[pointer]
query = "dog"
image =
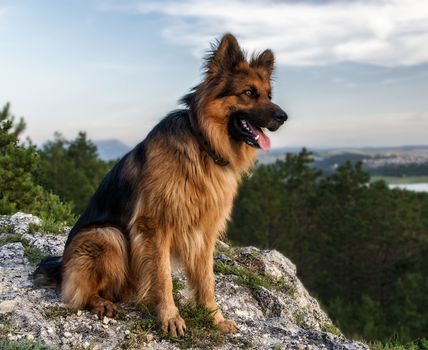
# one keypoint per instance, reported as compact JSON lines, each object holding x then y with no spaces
{"x":171,"y":197}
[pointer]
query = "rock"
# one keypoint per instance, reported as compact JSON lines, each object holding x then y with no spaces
{"x":7,"y":306}
{"x":19,"y":222}
{"x":259,"y":289}
{"x":51,"y":244}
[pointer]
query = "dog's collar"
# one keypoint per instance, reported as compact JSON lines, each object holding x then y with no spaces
{"x":218,"y":159}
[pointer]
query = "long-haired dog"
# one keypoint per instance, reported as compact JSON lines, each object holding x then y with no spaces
{"x":171,"y":196}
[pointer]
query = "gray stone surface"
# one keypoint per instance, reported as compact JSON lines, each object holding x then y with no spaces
{"x":284,"y":317}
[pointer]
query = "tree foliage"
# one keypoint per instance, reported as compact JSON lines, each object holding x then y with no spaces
{"x":71,"y":169}
{"x":360,"y":247}
{"x":18,"y":164}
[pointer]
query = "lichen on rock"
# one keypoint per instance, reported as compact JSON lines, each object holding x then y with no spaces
{"x":259,"y":289}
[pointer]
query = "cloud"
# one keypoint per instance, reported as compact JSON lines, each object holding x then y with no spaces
{"x":382,"y":32}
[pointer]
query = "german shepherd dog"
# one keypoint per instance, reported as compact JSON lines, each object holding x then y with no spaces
{"x":171,"y":197}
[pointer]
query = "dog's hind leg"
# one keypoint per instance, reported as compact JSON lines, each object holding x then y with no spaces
{"x":95,"y":270}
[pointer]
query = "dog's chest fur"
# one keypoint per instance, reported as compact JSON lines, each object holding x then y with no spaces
{"x":192,"y":194}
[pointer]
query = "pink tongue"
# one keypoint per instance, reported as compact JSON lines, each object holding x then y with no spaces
{"x":263,"y":141}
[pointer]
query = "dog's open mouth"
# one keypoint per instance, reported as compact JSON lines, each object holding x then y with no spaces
{"x":254,"y":136}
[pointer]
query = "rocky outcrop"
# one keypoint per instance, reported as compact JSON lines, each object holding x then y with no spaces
{"x":259,"y":289}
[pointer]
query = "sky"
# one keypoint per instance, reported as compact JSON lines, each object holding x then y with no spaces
{"x":348,"y":73}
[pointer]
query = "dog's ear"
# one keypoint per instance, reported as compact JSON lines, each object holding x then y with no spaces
{"x":265,"y":60}
{"x":225,"y":55}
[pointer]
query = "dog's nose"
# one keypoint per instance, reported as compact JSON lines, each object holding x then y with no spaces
{"x":280,"y":115}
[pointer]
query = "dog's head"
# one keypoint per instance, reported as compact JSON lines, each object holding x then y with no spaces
{"x":236,"y":98}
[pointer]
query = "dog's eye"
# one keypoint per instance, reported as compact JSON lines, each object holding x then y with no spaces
{"x":250,"y":93}
{"x":270,"y":96}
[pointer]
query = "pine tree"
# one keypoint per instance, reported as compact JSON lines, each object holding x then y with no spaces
{"x":18,"y":164}
{"x":72,"y":169}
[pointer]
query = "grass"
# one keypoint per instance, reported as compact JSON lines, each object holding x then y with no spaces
{"x":421,"y":344}
{"x":299,"y":318}
{"x":6,"y":344}
{"x":177,"y":285}
{"x":225,"y":250}
{"x":53,"y":312}
{"x":5,"y":326}
{"x":253,"y":280}
{"x":138,"y":330}
{"x":47,"y":225}
{"x":33,"y":254}
{"x":331,"y":328}
{"x":22,"y":345}
{"x":10,"y":238}
{"x":4,"y":228}
{"x":395,"y":180}
{"x":200,"y":333}
{"x":248,"y":276}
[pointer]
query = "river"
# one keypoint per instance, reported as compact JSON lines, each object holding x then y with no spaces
{"x":421,"y":187}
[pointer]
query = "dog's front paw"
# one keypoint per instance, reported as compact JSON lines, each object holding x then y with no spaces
{"x":227,"y":326}
{"x":175,"y":326}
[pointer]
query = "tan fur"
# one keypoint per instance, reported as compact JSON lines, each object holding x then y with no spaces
{"x":95,"y":267}
{"x":183,"y":205}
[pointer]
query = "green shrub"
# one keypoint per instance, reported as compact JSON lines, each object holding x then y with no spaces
{"x":19,"y":190}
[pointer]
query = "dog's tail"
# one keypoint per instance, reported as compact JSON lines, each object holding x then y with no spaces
{"x":48,"y":273}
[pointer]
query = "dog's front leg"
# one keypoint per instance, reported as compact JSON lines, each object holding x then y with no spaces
{"x":151,"y":257}
{"x":200,"y":275}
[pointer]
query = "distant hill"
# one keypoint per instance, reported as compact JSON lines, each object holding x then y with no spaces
{"x":381,"y":161}
{"x":111,"y":149}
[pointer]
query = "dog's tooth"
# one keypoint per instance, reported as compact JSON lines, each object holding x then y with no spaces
{"x":257,"y":137}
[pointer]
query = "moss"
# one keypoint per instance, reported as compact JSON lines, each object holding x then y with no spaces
{"x":277,"y":346}
{"x":284,"y":287}
{"x":22,"y":345}
{"x":7,"y":344}
{"x":392,"y":345}
{"x":47,"y":225}
{"x":251,"y":279}
{"x":241,"y":343}
{"x":331,"y":328}
{"x":122,"y":315}
{"x":138,"y":331}
{"x":177,"y":285}
{"x":33,"y":228}
{"x":397,"y":344}
{"x":254,"y":255}
{"x":33,"y":254}
{"x":10,"y":238}
{"x":226,"y":250}
{"x":53,"y":312}
{"x":299,"y":318}
{"x":4,"y":228}
{"x":5,"y":326}
{"x":138,"y":328}
{"x":200,"y":333}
